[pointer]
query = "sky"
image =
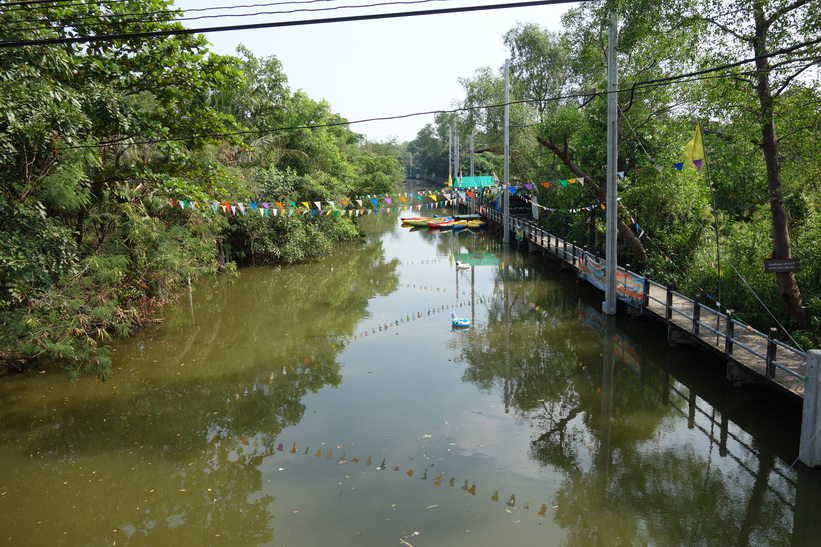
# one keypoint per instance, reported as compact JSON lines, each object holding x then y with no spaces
{"x":380,"y":68}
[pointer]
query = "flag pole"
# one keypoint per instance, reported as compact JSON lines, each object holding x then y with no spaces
{"x":715,"y":222}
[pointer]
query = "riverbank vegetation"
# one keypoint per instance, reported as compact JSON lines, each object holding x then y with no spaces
{"x":97,"y":137}
{"x":746,"y":73}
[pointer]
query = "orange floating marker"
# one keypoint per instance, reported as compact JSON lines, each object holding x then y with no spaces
{"x":369,"y":462}
{"x":330,"y":454}
{"x":355,"y":460}
{"x":543,"y":510}
{"x":410,"y":472}
{"x":472,"y":490}
{"x":293,"y":449}
{"x":318,"y":453}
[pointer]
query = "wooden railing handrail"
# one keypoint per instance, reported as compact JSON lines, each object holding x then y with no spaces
{"x":697,"y":314}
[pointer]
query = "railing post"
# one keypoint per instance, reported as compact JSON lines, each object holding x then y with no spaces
{"x":564,"y":250}
{"x":668,"y":305}
{"x":646,"y":296}
{"x":772,"y":349}
{"x":728,"y":340}
{"x":575,"y":252}
{"x":809,"y":450}
{"x":696,"y":313}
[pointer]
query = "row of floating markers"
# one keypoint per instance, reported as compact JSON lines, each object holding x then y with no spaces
{"x":420,"y":314}
{"x":382,"y":327}
{"x":437,"y":480}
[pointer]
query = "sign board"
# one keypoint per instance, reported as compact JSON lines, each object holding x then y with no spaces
{"x":776,"y":265}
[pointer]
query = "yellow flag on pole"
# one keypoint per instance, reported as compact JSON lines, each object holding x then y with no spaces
{"x":694,"y":150}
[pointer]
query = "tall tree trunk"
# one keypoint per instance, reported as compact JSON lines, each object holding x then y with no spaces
{"x":601,"y":193}
{"x":787,"y":285}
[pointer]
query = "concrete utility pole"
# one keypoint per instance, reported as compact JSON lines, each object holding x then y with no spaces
{"x":471,"y":153}
{"x":450,"y":152}
{"x":609,"y":306}
{"x":809,"y":450}
{"x":506,"y":181}
{"x":457,"y":161}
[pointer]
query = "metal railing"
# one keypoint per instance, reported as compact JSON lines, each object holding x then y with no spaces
{"x":762,"y":352}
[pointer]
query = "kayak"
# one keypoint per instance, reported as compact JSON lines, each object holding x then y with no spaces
{"x":417,"y":221}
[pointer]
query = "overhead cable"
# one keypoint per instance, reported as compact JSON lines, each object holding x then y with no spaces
{"x":277,"y":24}
{"x":115,"y":18}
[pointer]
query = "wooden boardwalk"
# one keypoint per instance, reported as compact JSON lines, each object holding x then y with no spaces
{"x":752,"y":356}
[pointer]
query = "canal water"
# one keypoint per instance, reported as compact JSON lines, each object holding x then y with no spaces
{"x":332,"y":403}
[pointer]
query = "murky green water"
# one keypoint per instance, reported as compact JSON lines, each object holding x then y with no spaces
{"x":332,"y":404}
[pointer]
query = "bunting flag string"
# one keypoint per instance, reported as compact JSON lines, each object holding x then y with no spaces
{"x":269,"y":448}
{"x":572,"y":211}
{"x":377,"y":202}
{"x":265,"y":209}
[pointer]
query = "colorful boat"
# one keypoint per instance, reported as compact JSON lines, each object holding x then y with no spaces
{"x":476,"y":224}
{"x":418,"y":221}
{"x":442,"y":224}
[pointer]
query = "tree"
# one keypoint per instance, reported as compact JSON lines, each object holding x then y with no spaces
{"x":91,"y":136}
{"x":781,"y":36}
{"x":430,"y":154}
{"x":538,"y":64}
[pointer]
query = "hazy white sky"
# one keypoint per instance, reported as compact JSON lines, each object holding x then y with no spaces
{"x":378,"y":68}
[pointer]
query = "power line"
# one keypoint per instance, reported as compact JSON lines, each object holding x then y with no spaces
{"x":32,"y":5}
{"x":115,"y":17}
{"x":284,"y":129}
{"x":656,"y":82}
{"x":697,"y":75}
{"x":280,"y":24}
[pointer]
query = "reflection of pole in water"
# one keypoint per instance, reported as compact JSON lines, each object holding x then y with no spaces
{"x":190,"y":298}
{"x":608,"y":353}
{"x":506,"y":282}
{"x":473,"y":295}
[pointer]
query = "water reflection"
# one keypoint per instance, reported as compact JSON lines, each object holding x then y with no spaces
{"x":611,"y":420}
{"x":332,"y":403}
{"x":196,"y":404}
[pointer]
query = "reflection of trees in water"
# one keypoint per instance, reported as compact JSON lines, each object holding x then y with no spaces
{"x":200,"y":436}
{"x":619,"y":488}
{"x":670,"y":497}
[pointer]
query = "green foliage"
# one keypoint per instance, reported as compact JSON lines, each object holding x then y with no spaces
{"x":377,"y":174}
{"x":94,"y":141}
{"x":430,"y":153}
{"x":286,"y":238}
{"x":747,"y":180}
